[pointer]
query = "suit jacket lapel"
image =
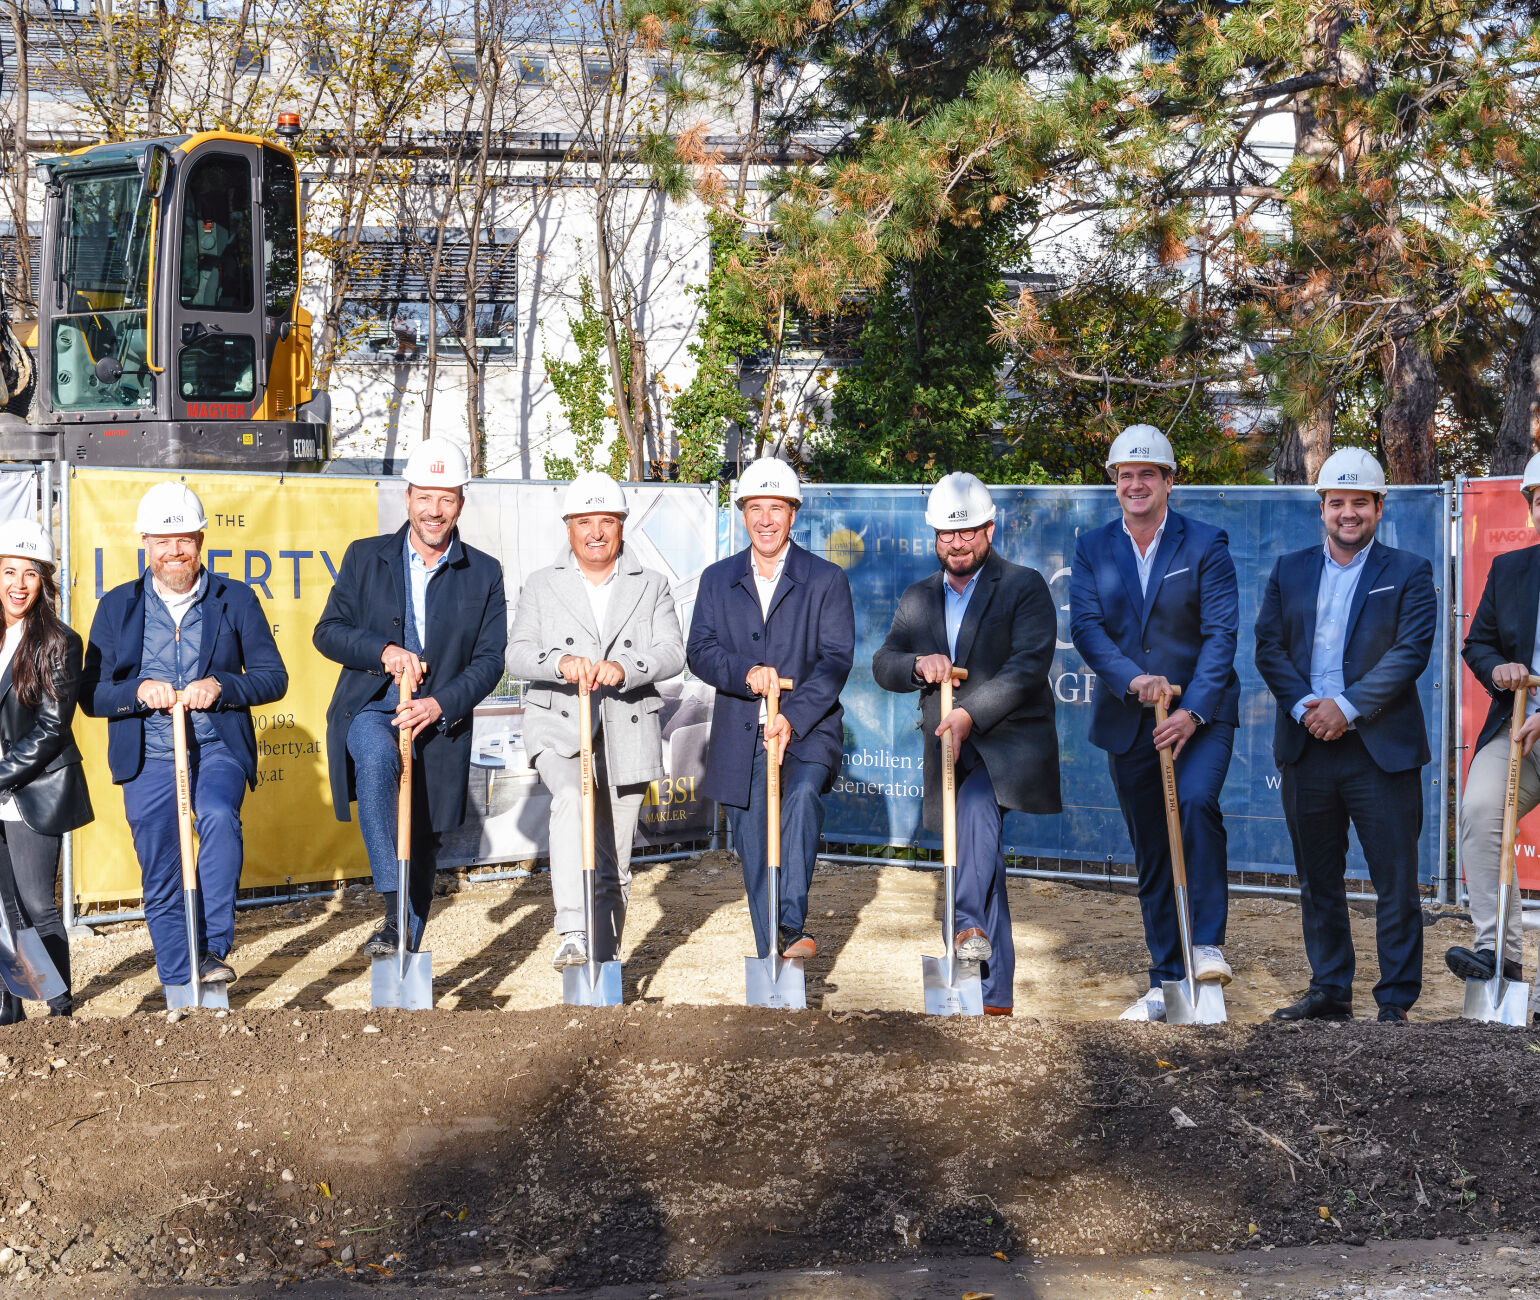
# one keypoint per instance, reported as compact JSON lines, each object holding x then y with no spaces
{"x":213,"y":611}
{"x":1529,"y":608}
{"x":983,"y":593}
{"x":624,"y":598}
{"x":1310,"y":592}
{"x":793,"y":574}
{"x":1170,"y":544}
{"x":746,"y":581}
{"x":1123,"y":557}
{"x":937,"y":624}
{"x":131,"y":634}
{"x":1374,"y":566}
{"x":575,"y":586}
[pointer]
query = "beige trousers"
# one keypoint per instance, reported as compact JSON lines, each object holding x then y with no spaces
{"x":1481,"y":838}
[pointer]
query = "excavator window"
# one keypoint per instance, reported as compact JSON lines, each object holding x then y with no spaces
{"x":217,"y":266}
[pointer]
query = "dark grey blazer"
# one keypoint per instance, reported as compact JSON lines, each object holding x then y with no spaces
{"x":1006,"y":643}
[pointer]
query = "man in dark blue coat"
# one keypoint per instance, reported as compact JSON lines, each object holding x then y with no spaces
{"x":771,"y":611}
{"x":1344,"y":632}
{"x":417,"y":604}
{"x":1153,"y":605}
{"x":180,"y":628}
{"x":995,"y":619}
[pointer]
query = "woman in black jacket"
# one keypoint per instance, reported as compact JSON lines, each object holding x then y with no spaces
{"x":42,"y":786}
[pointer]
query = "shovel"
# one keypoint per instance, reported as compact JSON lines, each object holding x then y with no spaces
{"x":1187,"y":1001}
{"x":403,"y":980}
{"x":950,"y":989}
{"x":195,"y":993}
{"x":774,"y":981}
{"x":1501,"y":1001}
{"x":594,"y":983}
{"x":25,"y":966}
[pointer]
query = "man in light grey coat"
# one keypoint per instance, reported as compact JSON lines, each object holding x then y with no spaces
{"x":597,"y":618}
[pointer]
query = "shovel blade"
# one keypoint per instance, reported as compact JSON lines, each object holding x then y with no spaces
{"x":962,"y":996}
{"x":1506,"y":1006}
{"x":1209,"y":1009}
{"x":26,"y":968}
{"x":603,"y":990}
{"x":775,"y":982}
{"x":389,"y":988}
{"x":181,"y":997}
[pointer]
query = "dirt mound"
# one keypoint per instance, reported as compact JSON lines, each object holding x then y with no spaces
{"x":568,"y":1147}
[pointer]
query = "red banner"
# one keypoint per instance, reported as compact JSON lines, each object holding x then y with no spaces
{"x":1494,"y":518}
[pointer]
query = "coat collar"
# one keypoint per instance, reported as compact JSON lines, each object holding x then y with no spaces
{"x":625,"y":597}
{"x":795,"y":573}
{"x":978,"y":605}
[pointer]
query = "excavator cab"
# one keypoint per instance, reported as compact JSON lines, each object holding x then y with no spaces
{"x":169,"y":326}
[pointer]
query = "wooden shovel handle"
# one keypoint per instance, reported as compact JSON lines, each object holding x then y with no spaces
{"x":1173,"y":809}
{"x":1509,"y":867}
{"x":773,"y":781}
{"x":586,"y":772}
{"x":404,"y":790}
{"x":183,"y":777}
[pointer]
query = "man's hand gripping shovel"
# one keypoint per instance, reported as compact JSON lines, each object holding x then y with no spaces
{"x":196,"y":992}
{"x":595,"y":983}
{"x":1188,"y":1002}
{"x":1498,"y":1000}
{"x":952,"y":988}
{"x":774,"y":981}
{"x":404,"y":979}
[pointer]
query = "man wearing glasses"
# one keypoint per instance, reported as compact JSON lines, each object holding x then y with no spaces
{"x":995,"y":619}
{"x":1153,"y":605}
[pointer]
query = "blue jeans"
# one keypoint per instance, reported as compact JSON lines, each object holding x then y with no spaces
{"x":801,"y":829}
{"x":981,"y":896}
{"x":149,"y":802}
{"x":1334,"y":783}
{"x":372,"y":745}
{"x":1200,"y":775}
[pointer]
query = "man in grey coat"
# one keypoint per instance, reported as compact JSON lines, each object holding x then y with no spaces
{"x":594,"y":618}
{"x":995,"y":619}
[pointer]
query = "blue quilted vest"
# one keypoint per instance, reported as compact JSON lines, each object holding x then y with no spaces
{"x":170,"y":655}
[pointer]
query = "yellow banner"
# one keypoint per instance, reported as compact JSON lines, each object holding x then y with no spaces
{"x":285,"y":538}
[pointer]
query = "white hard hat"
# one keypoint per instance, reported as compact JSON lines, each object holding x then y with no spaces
{"x":168,"y":509}
{"x":1140,"y":444}
{"x":959,"y":501}
{"x":592,"y":493}
{"x":1531,"y":474}
{"x":1351,"y":469}
{"x":438,"y":463}
{"x":27,"y":540}
{"x":767,"y":477}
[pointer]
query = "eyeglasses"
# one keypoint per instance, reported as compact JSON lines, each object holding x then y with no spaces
{"x":958,"y":534}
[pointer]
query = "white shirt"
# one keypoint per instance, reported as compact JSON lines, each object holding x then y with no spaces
{"x":1145,"y":561}
{"x":1534,"y":667}
{"x":766,"y":589}
{"x":417,"y":573}
{"x":599,"y":599}
{"x":178,"y":603}
{"x":1334,"y":600}
{"x":9,"y":812}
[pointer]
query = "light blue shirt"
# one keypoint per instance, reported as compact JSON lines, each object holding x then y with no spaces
{"x":1145,"y":561}
{"x":1332,"y":604}
{"x":957,"y":609}
{"x":418,"y":573}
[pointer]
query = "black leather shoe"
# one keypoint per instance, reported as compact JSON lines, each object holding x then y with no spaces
{"x":216,"y":970}
{"x":1479,"y":964}
{"x":1316,"y":1005}
{"x":796,"y":943}
{"x":1393,"y":1015}
{"x":382,"y":943}
{"x":12,"y":1009}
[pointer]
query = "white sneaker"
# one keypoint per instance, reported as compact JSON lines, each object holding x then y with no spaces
{"x":571,"y":951}
{"x":1209,"y":964}
{"x":1152,"y":1006}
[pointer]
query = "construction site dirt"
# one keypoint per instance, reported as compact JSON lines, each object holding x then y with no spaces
{"x":506,"y":1144}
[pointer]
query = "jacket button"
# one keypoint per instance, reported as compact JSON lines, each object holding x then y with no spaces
{"x":1146,"y":649}
{"x":395,"y":622}
{"x":569,"y":640}
{"x":747,"y":726}
{"x":641,"y":665}
{"x":633,"y":717}
{"x":756,"y":636}
{"x":627,"y":644}
{"x":348,"y":714}
{"x":564,"y":713}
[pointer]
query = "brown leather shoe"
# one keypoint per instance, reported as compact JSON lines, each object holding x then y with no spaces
{"x":798,"y":945}
{"x":999,"y":1011}
{"x":972,"y":945}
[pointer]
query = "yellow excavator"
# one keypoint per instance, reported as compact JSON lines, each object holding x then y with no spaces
{"x":169,"y":331}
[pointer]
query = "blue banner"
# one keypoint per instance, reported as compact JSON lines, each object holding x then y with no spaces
{"x":879,"y":537}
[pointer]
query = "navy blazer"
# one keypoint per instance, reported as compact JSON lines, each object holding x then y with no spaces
{"x":810,"y":637}
{"x":467,"y":626}
{"x":1503,"y":629}
{"x":1184,"y":631}
{"x":1391,"y":624}
{"x":237,"y":650}
{"x":1006,"y":643}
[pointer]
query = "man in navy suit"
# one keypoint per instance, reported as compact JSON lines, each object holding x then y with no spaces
{"x":417,"y":605}
{"x":996,"y":620}
{"x":1344,"y":632}
{"x":1502,"y":650}
{"x":1153,"y":605}
{"x":771,"y":611}
{"x":181,"y":629}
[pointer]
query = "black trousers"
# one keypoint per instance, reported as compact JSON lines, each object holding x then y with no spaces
{"x":32,"y":862}
{"x":1333,"y":784}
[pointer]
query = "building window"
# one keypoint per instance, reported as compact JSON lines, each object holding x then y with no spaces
{"x":65,"y":6}
{"x":598,"y":72}
{"x":320,"y":61}
{"x":462,"y":67}
{"x":532,"y":71}
{"x":388,"y":313}
{"x":249,"y":58}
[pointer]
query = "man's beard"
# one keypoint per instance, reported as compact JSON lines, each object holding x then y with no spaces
{"x":171,"y":584}
{"x":974,"y":565}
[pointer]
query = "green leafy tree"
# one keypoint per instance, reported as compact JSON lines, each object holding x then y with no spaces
{"x":583,"y":389}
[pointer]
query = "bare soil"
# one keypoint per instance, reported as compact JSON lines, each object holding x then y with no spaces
{"x":515,"y":1146}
